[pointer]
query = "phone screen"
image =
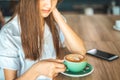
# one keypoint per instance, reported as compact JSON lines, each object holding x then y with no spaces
{"x":102,"y":54}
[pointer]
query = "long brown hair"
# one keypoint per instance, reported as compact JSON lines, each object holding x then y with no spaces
{"x":32,"y":29}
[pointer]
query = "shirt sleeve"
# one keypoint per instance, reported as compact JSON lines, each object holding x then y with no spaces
{"x":9,"y":58}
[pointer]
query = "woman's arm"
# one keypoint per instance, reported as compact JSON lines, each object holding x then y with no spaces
{"x":49,"y":68}
{"x":72,"y":41}
{"x":12,"y":74}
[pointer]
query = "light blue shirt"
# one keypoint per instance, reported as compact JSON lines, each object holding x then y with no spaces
{"x":11,"y":53}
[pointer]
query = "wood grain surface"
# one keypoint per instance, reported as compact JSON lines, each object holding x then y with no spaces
{"x":97,"y":32}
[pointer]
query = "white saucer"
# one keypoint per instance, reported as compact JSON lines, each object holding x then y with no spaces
{"x":116,"y":28}
{"x":88,"y":70}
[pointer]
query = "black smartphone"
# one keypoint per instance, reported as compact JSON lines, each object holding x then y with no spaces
{"x":102,"y":54}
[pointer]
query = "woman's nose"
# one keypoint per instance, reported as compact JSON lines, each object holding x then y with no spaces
{"x":48,"y":3}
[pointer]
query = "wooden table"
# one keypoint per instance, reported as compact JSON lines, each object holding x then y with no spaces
{"x":97,"y":32}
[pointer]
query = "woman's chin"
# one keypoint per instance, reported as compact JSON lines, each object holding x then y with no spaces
{"x":45,"y":15}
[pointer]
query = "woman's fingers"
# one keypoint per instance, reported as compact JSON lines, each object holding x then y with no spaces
{"x":59,"y":65}
{"x":51,"y":67}
{"x":58,"y":70}
{"x":56,"y":60}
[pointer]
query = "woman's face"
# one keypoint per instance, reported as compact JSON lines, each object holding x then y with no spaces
{"x":47,"y":6}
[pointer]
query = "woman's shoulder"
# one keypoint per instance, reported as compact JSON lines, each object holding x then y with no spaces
{"x":10,"y":36}
{"x":12,"y":27}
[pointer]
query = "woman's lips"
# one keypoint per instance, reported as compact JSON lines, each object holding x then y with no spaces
{"x":46,"y":11}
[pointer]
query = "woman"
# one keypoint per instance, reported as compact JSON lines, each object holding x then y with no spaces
{"x":30,"y":41}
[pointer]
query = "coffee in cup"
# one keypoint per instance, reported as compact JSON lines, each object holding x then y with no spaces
{"x":75,"y":62}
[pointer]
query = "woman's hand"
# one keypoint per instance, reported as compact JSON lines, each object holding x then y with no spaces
{"x":57,"y":16}
{"x":50,"y":67}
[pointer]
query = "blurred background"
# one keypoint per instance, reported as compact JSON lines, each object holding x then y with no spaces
{"x":91,"y":6}
{"x":88,"y":7}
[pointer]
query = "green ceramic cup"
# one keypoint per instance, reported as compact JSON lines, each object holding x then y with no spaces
{"x":75,"y":65}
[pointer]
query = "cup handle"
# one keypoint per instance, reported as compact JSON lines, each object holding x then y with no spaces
{"x":66,"y":66}
{"x":65,"y":62}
